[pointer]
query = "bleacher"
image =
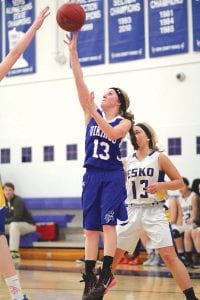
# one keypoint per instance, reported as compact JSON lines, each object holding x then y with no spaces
{"x":57,"y":210}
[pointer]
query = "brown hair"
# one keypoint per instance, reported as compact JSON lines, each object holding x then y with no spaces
{"x":9,"y":185}
{"x":125,"y":102}
{"x":150,"y":133}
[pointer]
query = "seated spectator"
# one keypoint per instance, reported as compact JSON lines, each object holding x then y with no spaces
{"x":195,"y":234}
{"x":188,"y":202}
{"x":19,"y":220}
{"x":196,"y":186}
{"x":176,"y":222}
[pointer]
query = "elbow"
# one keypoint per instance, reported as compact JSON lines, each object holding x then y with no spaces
{"x":112,"y":137}
{"x":180,"y":183}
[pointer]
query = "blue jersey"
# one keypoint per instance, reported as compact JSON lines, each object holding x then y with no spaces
{"x":100,"y":151}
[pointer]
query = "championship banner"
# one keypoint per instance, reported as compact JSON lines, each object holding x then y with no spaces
{"x":168,"y":27}
{"x":91,"y":47}
{"x":19,"y":16}
{"x":196,"y":24}
{"x":126,"y":30}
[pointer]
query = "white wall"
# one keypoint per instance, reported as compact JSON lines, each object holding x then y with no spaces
{"x":42,"y":109}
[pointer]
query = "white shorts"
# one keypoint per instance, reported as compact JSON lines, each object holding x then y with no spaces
{"x":152,"y":220}
{"x":182,"y":228}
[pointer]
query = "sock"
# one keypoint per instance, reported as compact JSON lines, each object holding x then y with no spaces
{"x":89,"y":266}
{"x":107,"y":262}
{"x":14,"y":287}
{"x":189,"y":294}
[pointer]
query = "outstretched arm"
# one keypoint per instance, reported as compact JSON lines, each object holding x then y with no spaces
{"x":82,"y":89}
{"x":22,"y":44}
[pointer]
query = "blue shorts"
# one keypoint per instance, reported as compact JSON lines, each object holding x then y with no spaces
{"x":2,"y":220}
{"x":103,"y":196}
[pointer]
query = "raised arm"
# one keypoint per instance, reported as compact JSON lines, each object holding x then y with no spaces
{"x":82,"y":89}
{"x":22,"y":44}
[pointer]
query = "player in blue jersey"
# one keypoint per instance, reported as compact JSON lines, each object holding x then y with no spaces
{"x":7,"y":267}
{"x":104,"y":188}
{"x":146,"y":189}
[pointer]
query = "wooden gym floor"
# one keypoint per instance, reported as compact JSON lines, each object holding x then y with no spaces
{"x":59,"y":279}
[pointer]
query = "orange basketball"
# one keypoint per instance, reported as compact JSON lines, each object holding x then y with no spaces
{"x":70,"y":16}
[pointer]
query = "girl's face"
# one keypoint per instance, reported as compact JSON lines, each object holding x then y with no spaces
{"x":141,"y":136}
{"x":110,"y":99}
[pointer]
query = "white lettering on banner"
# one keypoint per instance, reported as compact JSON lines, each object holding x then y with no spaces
{"x":124,"y":24}
{"x":24,"y":21}
{"x":122,"y":7}
{"x":91,"y":58}
{"x":167,"y":21}
{"x":21,"y":71}
{"x":18,"y":2}
{"x":164,"y":3}
{"x":120,"y":10}
{"x":19,"y":14}
{"x":127,"y":53}
{"x":87,"y":27}
{"x":123,"y":2}
{"x":81,"y":2}
{"x":17,"y":9}
{"x":168,"y":48}
{"x":92,"y":10}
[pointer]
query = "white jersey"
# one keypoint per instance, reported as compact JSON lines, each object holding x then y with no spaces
{"x":186,"y":206}
{"x":141,"y":174}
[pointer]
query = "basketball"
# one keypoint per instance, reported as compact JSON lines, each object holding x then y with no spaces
{"x":70,"y":16}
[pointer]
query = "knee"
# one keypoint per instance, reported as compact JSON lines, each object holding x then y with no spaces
{"x":169,"y":256}
{"x":108,"y":228}
{"x":194,"y":234}
{"x":176,"y":234}
{"x":91,"y":233}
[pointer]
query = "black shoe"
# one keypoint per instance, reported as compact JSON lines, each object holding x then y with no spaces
{"x":181,"y":257}
{"x":105,"y":282}
{"x":191,"y":264}
{"x":90,"y":282}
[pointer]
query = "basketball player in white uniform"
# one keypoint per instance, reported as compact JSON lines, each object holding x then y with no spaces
{"x":146,"y":195}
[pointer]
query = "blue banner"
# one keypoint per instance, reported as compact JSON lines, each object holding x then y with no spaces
{"x":91,"y":47}
{"x":196,"y":24}
{"x":168,"y":33}
{"x":126,"y":30}
{"x":19,"y":17}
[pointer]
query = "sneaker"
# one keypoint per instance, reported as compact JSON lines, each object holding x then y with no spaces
{"x":90,"y":282}
{"x":24,"y":297}
{"x":155,"y":261}
{"x":124,"y":261}
{"x":191,"y":264}
{"x":161,"y":262}
{"x":80,"y":260}
{"x":149,"y":260}
{"x":15,"y":255}
{"x":135,"y":261}
{"x":181,"y":256}
{"x":105,"y":282}
{"x":99,"y":261}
